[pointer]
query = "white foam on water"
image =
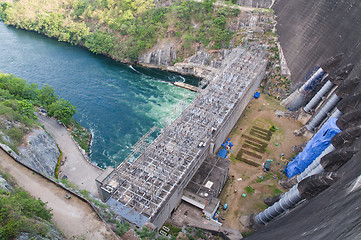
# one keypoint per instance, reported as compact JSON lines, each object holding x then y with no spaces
{"x":131,"y":67}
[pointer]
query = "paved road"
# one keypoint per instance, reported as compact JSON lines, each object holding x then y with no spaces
{"x":76,"y":168}
{"x":75,"y":218}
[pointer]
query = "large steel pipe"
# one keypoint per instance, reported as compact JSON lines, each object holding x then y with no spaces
{"x":291,"y":198}
{"x":298,"y":97}
{"x":318,"y":97}
{"x":320,"y":116}
{"x":306,"y":189}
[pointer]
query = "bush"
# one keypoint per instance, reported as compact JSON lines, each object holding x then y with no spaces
{"x":249,"y":190}
{"x":17,"y":214}
{"x":62,"y":110}
{"x":122,"y":228}
{"x":16,"y":134}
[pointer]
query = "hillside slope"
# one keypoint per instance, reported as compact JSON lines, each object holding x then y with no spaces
{"x":124,"y":29}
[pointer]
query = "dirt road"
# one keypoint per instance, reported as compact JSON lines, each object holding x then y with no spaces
{"x":76,"y":168}
{"x":75,"y":218}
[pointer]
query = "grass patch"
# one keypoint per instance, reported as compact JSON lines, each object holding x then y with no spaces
{"x":80,"y":134}
{"x":122,"y":228}
{"x":69,"y":184}
{"x":10,"y":179}
{"x":85,"y":194}
{"x":276,"y":191}
{"x":247,"y":233}
{"x":265,"y":177}
{"x":200,"y":233}
{"x":58,"y":164}
{"x":249,"y":189}
{"x":233,"y":159}
{"x":146,"y":233}
{"x":273,"y":128}
{"x":20,"y":212}
{"x":236,"y":213}
{"x":173,"y":230}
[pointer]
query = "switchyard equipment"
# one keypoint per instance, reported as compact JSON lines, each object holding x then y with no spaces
{"x":149,"y":188}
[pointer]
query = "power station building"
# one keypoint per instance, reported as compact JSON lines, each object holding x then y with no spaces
{"x":149,"y":188}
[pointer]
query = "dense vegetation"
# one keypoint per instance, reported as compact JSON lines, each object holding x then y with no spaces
{"x":124,"y":29}
{"x":17,"y":105}
{"x":19,"y":212}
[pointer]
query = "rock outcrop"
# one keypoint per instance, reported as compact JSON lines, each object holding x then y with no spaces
{"x":4,"y":185}
{"x":162,"y":54}
{"x":205,"y":63}
{"x":39,"y":152}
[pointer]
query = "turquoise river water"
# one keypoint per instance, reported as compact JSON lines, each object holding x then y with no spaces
{"x":118,"y":103}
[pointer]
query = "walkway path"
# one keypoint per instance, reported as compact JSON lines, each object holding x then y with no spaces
{"x":76,"y":168}
{"x":241,"y":8}
{"x":75,"y":218}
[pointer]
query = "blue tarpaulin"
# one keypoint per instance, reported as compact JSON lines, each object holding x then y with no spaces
{"x":320,"y":141}
{"x":257,"y":94}
{"x":222,"y":153}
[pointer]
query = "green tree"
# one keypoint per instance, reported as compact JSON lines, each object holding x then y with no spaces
{"x":3,"y":7}
{"x":26,"y":109}
{"x":11,"y":103}
{"x":62,"y":110}
{"x":47,"y":96}
{"x":208,"y":4}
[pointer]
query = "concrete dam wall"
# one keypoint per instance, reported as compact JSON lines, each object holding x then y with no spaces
{"x":312,"y":31}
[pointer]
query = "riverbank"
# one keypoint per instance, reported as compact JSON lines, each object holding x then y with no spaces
{"x":81,"y":136}
{"x":74,"y":166}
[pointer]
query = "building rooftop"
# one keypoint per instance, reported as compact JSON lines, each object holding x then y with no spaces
{"x":147,"y":183}
{"x":210,"y":177}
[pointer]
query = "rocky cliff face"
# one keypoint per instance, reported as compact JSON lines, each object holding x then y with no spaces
{"x":202,"y":64}
{"x":39,"y":152}
{"x":162,"y":54}
{"x":205,"y":62}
